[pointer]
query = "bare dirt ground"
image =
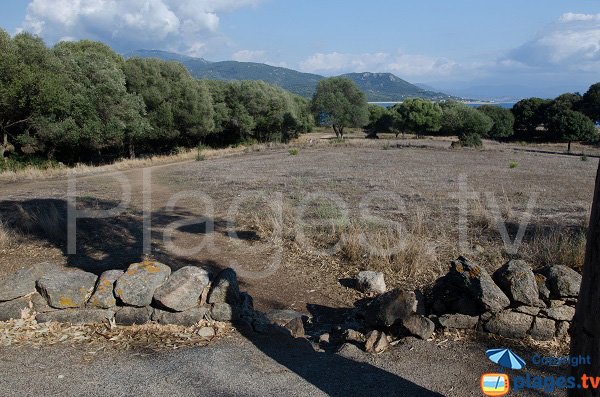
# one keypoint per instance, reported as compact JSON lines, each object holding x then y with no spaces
{"x":295,"y":226}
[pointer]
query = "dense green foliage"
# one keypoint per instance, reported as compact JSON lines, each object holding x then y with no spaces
{"x":569,"y":126}
{"x":80,"y":101}
{"x":339,"y":103}
{"x":464,"y":121}
{"x":381,"y":119}
{"x":529,"y":115}
{"x":502,"y":119}
{"x":590,"y":103}
{"x":418,"y":116}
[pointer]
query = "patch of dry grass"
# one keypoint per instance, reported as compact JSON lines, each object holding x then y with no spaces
{"x":557,"y":247}
{"x":7,"y":237}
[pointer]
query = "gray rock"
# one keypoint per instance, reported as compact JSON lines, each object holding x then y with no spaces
{"x":136,"y":287}
{"x":479,"y":284}
{"x":40,"y":305}
{"x":206,"y":332}
{"x":556,"y":303}
{"x":541,"y":282}
{"x":532,"y":311}
{"x":376,"y":342}
{"x":183,"y":289}
{"x":391,"y":307}
{"x":350,"y":350}
{"x":543,"y":329}
{"x":371,"y":282}
{"x":222,"y":312}
{"x":104,"y":295}
{"x":560,"y":313}
{"x":225,"y":289}
{"x":12,"y":309}
{"x":67,"y":289}
{"x":290,"y":320}
{"x":130,"y":315}
{"x":509,"y":324}
{"x":458,"y":321}
{"x":562,"y":329}
{"x":22,"y":282}
{"x":562,"y":281}
{"x":419,"y":326}
{"x":76,"y":316}
{"x":517,"y":280}
{"x":353,"y":336}
{"x":186,"y":318}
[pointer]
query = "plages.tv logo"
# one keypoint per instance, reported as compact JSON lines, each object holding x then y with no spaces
{"x":498,"y":384}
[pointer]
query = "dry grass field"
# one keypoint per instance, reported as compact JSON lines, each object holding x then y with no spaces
{"x":296,"y":220}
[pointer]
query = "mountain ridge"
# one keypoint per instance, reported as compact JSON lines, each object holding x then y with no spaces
{"x":378,"y":87}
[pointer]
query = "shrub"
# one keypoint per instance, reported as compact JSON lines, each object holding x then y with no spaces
{"x":470,"y":140}
{"x":513,"y":164}
{"x":293,"y":151}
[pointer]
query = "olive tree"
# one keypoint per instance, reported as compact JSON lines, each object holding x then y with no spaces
{"x":338,"y":102}
{"x":418,"y":116}
{"x":571,"y":126}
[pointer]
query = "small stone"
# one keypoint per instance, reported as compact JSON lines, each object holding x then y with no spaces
{"x":290,"y":320}
{"x":183,"y":289}
{"x":542,"y":286}
{"x":206,"y":332}
{"x":67,"y":289}
{"x":371,"y":282}
{"x":185,"y":318}
{"x":22,"y":282}
{"x":517,"y":280}
{"x":393,"y":306}
{"x":225,"y":289}
{"x":562,"y":329}
{"x":478,"y":283}
{"x":376,"y":342}
{"x":543,"y":329}
{"x":324,"y":338}
{"x":560,"y":313}
{"x":532,"y":311}
{"x":137,"y":285}
{"x":222,"y":312}
{"x":353,"y":336}
{"x":556,"y":303}
{"x":509,"y":324}
{"x":104,"y":295}
{"x":419,"y":326}
{"x":130,"y":315}
{"x":458,"y":321}
{"x":349,"y":350}
{"x":76,"y":316}
{"x":12,"y":309}
{"x":562,"y":281}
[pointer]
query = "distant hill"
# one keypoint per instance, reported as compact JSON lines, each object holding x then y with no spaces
{"x":378,"y":87}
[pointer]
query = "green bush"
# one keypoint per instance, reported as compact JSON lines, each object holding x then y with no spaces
{"x":513,"y":164}
{"x":294,"y":151}
{"x":470,"y":140}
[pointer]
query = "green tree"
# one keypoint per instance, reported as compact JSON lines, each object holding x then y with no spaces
{"x":467,"y":123}
{"x":529,"y":115}
{"x":503,"y":121}
{"x":590,"y":103}
{"x":418,"y":116}
{"x":339,"y":103}
{"x":571,"y":126}
{"x":380,"y":120}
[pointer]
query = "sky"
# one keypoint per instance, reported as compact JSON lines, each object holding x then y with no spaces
{"x":465,"y":47}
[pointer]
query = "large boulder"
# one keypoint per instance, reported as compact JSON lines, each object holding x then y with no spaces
{"x":76,"y":316}
{"x":22,"y":282}
{"x":183,"y":289}
{"x":543,"y":329}
{"x":458,"y":321}
{"x":476,"y":281}
{"x":130,"y":315}
{"x":371,"y":282}
{"x":221,"y":311}
{"x":517,"y":280}
{"x":562,"y":281}
{"x":67,"y":289}
{"x":418,"y":326}
{"x":104,"y":295}
{"x":509,"y":324}
{"x":136,"y":287}
{"x":391,"y":307}
{"x":186,"y":318}
{"x":225,"y":289}
{"x":12,"y":309}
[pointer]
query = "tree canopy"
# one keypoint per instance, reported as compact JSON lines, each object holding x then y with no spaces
{"x":418,"y":116}
{"x":339,"y":103}
{"x":502,"y":119}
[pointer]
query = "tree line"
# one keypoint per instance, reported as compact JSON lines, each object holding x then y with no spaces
{"x":82,"y":102}
{"x":567,"y":118}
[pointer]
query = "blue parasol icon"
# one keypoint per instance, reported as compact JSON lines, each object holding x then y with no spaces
{"x":505,"y":358}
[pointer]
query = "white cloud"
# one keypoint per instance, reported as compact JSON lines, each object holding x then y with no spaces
{"x":249,"y":56}
{"x":180,"y":25}
{"x":403,"y":64}
{"x":572,"y":43}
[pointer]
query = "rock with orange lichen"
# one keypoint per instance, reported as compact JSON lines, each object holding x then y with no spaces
{"x":137,"y":285}
{"x":67,"y":289}
{"x":104,"y":295}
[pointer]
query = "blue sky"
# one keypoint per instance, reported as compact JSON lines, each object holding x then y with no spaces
{"x":484,"y":48}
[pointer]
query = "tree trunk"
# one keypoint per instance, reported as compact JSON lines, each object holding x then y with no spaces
{"x":585,"y":329}
{"x":569,"y":147}
{"x":4,"y":146}
{"x":51,"y":152}
{"x":131,"y":150}
{"x":341,"y":132}
{"x":335,"y":129}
